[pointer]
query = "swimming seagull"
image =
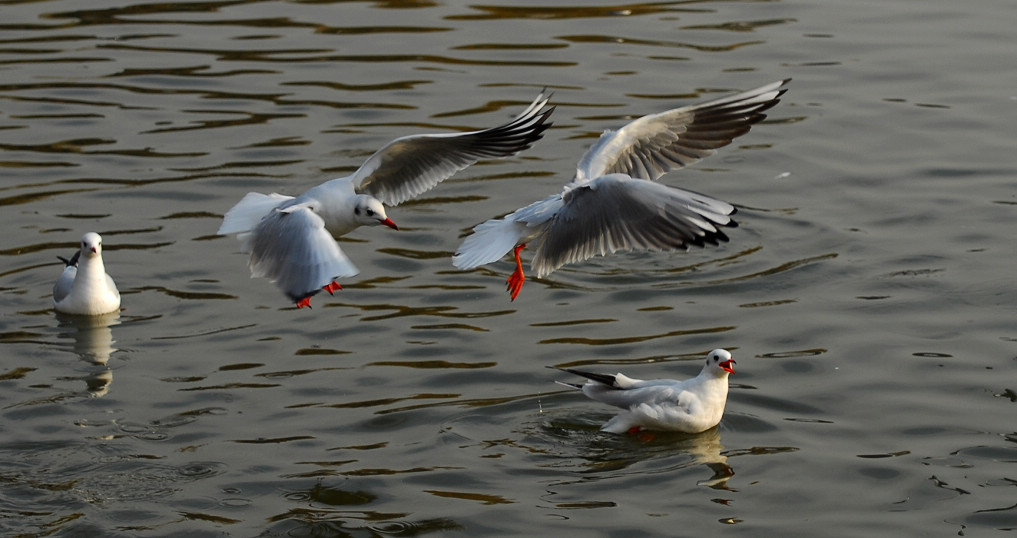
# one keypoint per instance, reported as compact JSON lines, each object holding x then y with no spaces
{"x":692,"y":406}
{"x":292,"y":241}
{"x":84,"y":288}
{"x":613,"y":202}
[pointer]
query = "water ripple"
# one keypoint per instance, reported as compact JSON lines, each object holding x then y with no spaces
{"x":634,"y":339}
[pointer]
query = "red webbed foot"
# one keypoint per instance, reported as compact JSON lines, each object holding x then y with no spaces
{"x":306,"y":301}
{"x":516,"y":279}
{"x":332,"y":287}
{"x":641,"y":434}
{"x":515,"y":283}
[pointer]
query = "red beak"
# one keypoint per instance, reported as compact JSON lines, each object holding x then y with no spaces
{"x":390,"y":224}
{"x":726,"y":365}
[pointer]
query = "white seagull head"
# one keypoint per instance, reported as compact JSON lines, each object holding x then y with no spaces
{"x":719,"y":362}
{"x":91,"y":245}
{"x":368,"y":211}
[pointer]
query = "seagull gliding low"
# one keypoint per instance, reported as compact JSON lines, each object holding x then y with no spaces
{"x":292,"y":241}
{"x":613,"y":202}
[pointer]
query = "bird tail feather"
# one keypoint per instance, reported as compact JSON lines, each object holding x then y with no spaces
{"x":488,"y":243}
{"x":249,"y":211}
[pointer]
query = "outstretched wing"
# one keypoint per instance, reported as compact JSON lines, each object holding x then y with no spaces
{"x":653,"y":145}
{"x":412,"y":165}
{"x":616,"y":212}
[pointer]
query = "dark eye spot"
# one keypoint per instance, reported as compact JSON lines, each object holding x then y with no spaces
{"x":370,"y":212}
{"x":356,"y":210}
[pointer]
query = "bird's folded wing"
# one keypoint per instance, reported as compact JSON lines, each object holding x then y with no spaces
{"x":615,"y":212}
{"x":653,"y":145}
{"x":411,"y":165}
{"x":629,"y":398}
{"x":64,"y":282}
{"x":292,"y":247}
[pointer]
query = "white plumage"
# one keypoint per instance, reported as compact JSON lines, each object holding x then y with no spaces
{"x":613,"y":202}
{"x":692,"y":406}
{"x":292,"y":239}
{"x":83,"y":287}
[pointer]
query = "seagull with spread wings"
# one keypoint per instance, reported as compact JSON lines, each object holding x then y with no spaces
{"x":614,"y":202}
{"x":292,"y":240}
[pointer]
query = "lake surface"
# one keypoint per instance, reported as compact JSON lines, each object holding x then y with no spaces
{"x":868,"y":294}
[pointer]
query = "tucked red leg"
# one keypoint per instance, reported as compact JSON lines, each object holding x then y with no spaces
{"x":640,"y":434}
{"x":332,"y":287}
{"x":306,"y":301}
{"x":516,"y":279}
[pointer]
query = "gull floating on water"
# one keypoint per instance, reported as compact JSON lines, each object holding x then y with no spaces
{"x":691,"y":406}
{"x":292,"y":241}
{"x":613,"y":202}
{"x":84,"y":288}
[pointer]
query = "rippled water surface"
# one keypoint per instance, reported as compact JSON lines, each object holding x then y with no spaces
{"x":868,"y":294}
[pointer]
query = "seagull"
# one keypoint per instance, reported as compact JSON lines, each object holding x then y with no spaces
{"x":613,"y":202}
{"x":292,"y":240}
{"x":84,"y":288}
{"x":691,"y":406}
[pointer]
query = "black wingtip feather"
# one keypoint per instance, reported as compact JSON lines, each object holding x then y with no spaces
{"x":606,"y":379}
{"x":70,"y":262}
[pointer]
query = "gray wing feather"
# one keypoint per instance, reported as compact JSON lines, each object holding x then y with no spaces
{"x":628,"y":398}
{"x":616,"y":212}
{"x":412,"y":165}
{"x":653,"y":145}
{"x":64,"y":283}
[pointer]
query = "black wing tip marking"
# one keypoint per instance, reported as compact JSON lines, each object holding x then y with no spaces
{"x":73,"y":261}
{"x":605,"y":379}
{"x":514,"y":136}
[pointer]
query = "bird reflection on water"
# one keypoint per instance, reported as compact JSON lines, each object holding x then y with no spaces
{"x":93,"y":341}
